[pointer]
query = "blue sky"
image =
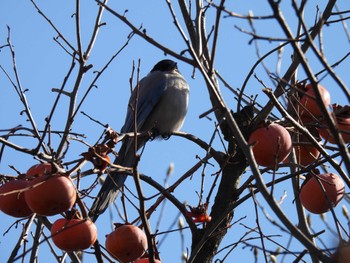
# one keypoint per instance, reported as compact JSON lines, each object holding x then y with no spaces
{"x":43,"y":64}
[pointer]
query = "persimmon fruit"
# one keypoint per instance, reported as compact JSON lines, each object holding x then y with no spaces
{"x":343,"y":125}
{"x":342,"y":254}
{"x":126,"y":243}
{"x":341,"y":115}
{"x":306,"y":154}
{"x":50,"y":194}
{"x":14,"y":204}
{"x":271,"y":144}
{"x":309,"y":103}
{"x":39,"y":170}
{"x":73,"y":234}
{"x":314,"y":199}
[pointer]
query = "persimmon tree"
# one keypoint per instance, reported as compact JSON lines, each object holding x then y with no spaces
{"x":268,"y":115}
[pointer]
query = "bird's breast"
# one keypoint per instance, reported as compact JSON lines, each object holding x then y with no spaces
{"x":169,"y":114}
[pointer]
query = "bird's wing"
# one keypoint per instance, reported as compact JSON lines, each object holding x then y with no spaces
{"x":151,"y":88}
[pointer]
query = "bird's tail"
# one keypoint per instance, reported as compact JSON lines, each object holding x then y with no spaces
{"x":112,"y":184}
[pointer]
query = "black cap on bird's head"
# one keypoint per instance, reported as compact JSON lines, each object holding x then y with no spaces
{"x":165,"y":65}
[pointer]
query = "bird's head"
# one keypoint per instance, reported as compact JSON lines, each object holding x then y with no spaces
{"x":165,"y":65}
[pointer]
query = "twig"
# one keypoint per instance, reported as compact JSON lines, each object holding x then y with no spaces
{"x":99,"y":73}
{"x":296,"y":61}
{"x":216,"y":34}
{"x":145,"y":36}
{"x":78,"y":32}
{"x":54,"y":27}
{"x":22,"y":238}
{"x":258,"y":225}
{"x":36,"y":239}
{"x":21,"y":92}
{"x":96,"y":30}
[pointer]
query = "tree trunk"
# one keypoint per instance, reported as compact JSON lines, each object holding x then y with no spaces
{"x":227,"y":195}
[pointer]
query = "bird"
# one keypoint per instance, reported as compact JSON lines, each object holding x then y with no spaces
{"x":160,"y":100}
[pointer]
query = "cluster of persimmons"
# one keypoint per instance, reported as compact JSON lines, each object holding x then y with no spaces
{"x":272,"y":143}
{"x":45,"y":192}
